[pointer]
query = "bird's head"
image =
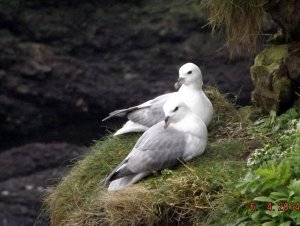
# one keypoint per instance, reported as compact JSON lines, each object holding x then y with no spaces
{"x":189,"y":74}
{"x":175,"y":110}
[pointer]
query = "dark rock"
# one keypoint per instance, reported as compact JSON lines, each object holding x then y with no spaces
{"x":287,"y":15}
{"x":292,"y":63}
{"x":70,"y":62}
{"x":35,"y":157}
{"x":22,"y":184}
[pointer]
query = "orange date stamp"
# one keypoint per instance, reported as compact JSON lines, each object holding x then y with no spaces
{"x":279,"y":206}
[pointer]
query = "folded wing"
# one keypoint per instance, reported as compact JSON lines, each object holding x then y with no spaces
{"x":146,"y":114}
{"x":157,"y":149}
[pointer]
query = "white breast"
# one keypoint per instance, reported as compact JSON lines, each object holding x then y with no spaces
{"x":194,"y":146}
{"x":195,"y":133}
{"x":198,"y":102}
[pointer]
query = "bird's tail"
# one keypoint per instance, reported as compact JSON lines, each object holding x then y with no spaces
{"x":120,"y":113}
{"x":130,"y":127}
{"x":123,"y":182}
{"x":124,"y":112}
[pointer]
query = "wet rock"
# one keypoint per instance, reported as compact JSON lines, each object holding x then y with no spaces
{"x":35,"y":166}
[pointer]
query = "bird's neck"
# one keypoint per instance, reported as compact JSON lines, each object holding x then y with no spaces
{"x":194,"y":86}
{"x":191,"y":124}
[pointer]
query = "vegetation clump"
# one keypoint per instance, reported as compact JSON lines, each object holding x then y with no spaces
{"x":271,"y":188}
{"x":203,"y":191}
{"x":286,"y":127}
{"x":191,"y":193}
{"x":242,"y":20}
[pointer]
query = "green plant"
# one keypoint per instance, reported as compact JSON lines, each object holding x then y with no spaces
{"x":278,"y":148}
{"x":286,"y":131}
{"x":270,"y":190}
{"x":273,"y":194}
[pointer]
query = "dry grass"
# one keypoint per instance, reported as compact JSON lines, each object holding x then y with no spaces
{"x":127,"y":207}
{"x":242,"y":19}
{"x":192,"y":193}
{"x":227,"y":119}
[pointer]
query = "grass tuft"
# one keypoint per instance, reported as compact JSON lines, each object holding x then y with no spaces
{"x":242,"y":19}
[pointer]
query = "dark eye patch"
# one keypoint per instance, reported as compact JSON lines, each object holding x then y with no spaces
{"x":189,"y":72}
{"x":176,"y":109}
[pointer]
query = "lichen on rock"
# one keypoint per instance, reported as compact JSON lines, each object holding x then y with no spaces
{"x":273,"y":87}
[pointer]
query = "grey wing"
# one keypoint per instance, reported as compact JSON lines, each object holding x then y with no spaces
{"x":107,"y":179}
{"x":151,"y":115}
{"x":157,"y":149}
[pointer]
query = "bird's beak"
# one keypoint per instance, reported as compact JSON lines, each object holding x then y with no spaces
{"x":179,"y":83}
{"x":167,"y":122}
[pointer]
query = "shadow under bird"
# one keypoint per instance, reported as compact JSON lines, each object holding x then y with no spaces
{"x":143,"y":116}
{"x":180,"y":137}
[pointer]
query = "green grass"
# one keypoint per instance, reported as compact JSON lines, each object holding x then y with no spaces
{"x":198,"y":192}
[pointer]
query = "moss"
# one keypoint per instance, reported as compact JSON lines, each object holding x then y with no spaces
{"x":259,"y":76}
{"x":282,"y":87}
{"x":271,"y":56}
{"x":265,"y":99}
{"x":192,"y":193}
{"x":272,"y":85}
{"x":250,"y":113}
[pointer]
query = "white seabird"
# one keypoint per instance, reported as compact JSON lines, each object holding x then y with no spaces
{"x":181,"y":136}
{"x":145,"y":115}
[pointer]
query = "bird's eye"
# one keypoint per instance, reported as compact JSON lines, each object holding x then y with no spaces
{"x":189,"y":72}
{"x":176,"y":109}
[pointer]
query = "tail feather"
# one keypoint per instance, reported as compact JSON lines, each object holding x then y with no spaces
{"x":123,"y":112}
{"x":119,"y":113}
{"x":130,"y":127}
{"x":109,"y":178}
{"x":123,"y":182}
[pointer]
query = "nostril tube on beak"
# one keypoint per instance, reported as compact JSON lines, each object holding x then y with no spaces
{"x":167,"y":122}
{"x":179,"y":83}
{"x":167,"y":119}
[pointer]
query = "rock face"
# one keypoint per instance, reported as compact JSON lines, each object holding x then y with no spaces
{"x":286,"y":13}
{"x":272,"y":85}
{"x":74,"y":61}
{"x":276,"y":77}
{"x":23,"y":182}
{"x":275,"y":73}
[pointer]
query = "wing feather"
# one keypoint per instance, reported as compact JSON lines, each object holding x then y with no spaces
{"x":151,"y":115}
{"x":157,"y":148}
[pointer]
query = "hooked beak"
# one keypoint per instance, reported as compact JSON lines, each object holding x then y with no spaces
{"x":179,"y":83}
{"x":167,"y":122}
